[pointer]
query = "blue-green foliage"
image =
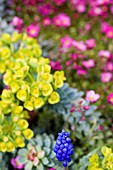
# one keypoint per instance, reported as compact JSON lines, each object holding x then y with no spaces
{"x":41,"y":143}
{"x":3,"y":163}
{"x":68,"y":96}
{"x":5,"y":27}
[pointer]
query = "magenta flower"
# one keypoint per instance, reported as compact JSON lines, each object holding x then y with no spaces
{"x":45,"y":9}
{"x":111,"y":9}
{"x":110,"y":98}
{"x":62,"y":20}
{"x":16,"y":21}
{"x":109,"y":66}
{"x":104,"y":53}
{"x":66,"y":42}
{"x":91,"y":43}
{"x":55,"y":65}
{"x":88,"y":64}
{"x":87,"y":26}
{"x":16,"y":164}
{"x":81,"y":7}
{"x":46,"y":21}
{"x":104,"y":27}
{"x":106,"y":77}
{"x":81,"y":71}
{"x":109,"y":32}
{"x":79,"y":45}
{"x":92,"y":96}
{"x":59,"y":2}
{"x":33,"y":30}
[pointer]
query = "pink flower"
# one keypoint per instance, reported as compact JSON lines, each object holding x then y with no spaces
{"x":73,"y":56}
{"x":104,"y":27}
{"x":111,"y":9}
{"x":88,"y":64}
{"x":16,"y":21}
{"x":66,"y":42}
{"x":81,"y":71}
{"x":110,"y":98}
{"x":68,"y":63}
{"x":81,"y":7}
{"x":106,"y":77}
{"x":104,"y":53}
{"x":87,"y":26}
{"x":92,"y":96}
{"x":79,"y":45}
{"x":109,"y":66}
{"x":32,"y":30}
{"x":59,"y":2}
{"x":46,"y":21}
{"x":16,"y":164}
{"x":109,"y":32}
{"x":91,"y":43}
{"x":45,"y":9}
{"x":55,"y":65}
{"x":62,"y":20}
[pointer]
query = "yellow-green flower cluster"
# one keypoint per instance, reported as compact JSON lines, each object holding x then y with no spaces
{"x":102,"y":163}
{"x":13,"y":126}
{"x":30,"y":86}
{"x":28,"y":74}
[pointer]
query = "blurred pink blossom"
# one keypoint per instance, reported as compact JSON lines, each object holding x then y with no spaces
{"x":66,"y":42}
{"x":59,"y":2}
{"x":81,"y":71}
{"x":16,"y":21}
{"x":110,"y":98}
{"x":62,"y":20}
{"x":79,"y":45}
{"x":106,"y":77}
{"x":91,"y":43}
{"x":45,"y":9}
{"x":88,"y":64}
{"x":104,"y":53}
{"x":46,"y":21}
{"x":32,"y":30}
{"x":16,"y":164}
{"x":109,"y":66}
{"x":92,"y":96}
{"x":55,"y":65}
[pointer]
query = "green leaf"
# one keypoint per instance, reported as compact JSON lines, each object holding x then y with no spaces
{"x":23,"y":152}
{"x":45,"y":161}
{"x":28,"y":166}
{"x":40,"y":167}
{"x":47,"y":150}
{"x":52,"y":155}
{"x":39,"y":140}
{"x":47,"y":142}
{"x":38,"y":148}
{"x":22,"y":159}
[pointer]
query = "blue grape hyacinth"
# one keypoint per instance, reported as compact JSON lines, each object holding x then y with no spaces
{"x":63,"y":148}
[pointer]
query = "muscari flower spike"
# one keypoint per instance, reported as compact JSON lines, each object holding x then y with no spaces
{"x":63,"y":148}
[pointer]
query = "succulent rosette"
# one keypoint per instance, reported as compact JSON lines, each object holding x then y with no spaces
{"x":39,"y":153}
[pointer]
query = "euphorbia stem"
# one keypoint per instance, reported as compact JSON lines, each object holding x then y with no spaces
{"x":66,"y":168}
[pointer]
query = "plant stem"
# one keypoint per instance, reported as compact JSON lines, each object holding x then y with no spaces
{"x":30,"y":77}
{"x":66,"y":168}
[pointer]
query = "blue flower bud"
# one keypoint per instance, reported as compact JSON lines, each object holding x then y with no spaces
{"x":63,"y":148}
